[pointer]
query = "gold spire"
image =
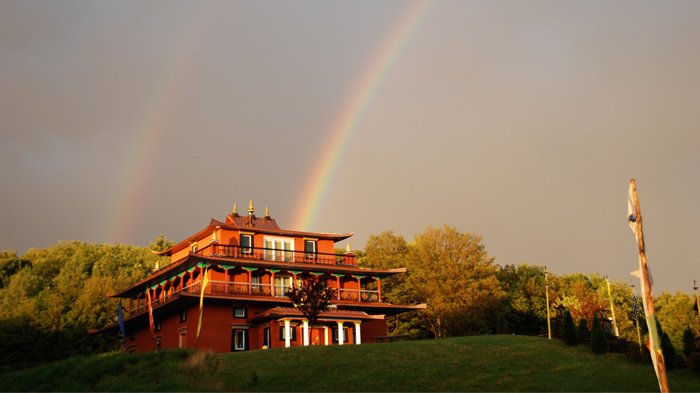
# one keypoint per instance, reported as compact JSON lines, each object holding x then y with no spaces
{"x":348,"y":249}
{"x":235,"y":209}
{"x":267,"y":212}
{"x":251,"y":209}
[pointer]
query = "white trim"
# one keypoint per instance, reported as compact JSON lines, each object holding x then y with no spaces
{"x":306,"y":332}
{"x":358,"y":341}
{"x":269,"y":255}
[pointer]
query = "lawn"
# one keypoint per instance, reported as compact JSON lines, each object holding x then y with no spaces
{"x":476,"y":363}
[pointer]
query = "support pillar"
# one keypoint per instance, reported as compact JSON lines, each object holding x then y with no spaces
{"x":325,"y":335}
{"x":341,"y":335}
{"x":306,"y":333}
{"x":357,"y":333}
{"x":287,"y":334}
{"x":379,"y":288}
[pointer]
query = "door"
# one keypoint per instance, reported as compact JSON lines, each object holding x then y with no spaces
{"x":239,"y":340}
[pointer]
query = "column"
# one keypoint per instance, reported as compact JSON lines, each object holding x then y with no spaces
{"x":287,"y":334}
{"x":306,"y":333}
{"x":357,"y":333}
{"x":325,"y":335}
{"x":379,"y":288}
{"x":341,"y":334}
{"x":337,"y":280}
{"x":226,"y":280}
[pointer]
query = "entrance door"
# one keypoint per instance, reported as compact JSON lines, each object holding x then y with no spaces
{"x":239,"y":340}
{"x":266,"y":337}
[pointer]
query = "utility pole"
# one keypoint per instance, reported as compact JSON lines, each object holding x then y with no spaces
{"x":546,"y":293}
{"x":634,"y":218}
{"x":612,"y":309}
{"x":697,"y":303}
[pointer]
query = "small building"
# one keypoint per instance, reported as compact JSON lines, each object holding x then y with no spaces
{"x":250,"y":263}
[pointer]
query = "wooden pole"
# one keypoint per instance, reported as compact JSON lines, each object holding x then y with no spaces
{"x":635,"y":220}
{"x":612,"y":309}
{"x":546,"y":294}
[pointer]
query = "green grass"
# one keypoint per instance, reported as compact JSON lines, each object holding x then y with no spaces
{"x":477,"y":363}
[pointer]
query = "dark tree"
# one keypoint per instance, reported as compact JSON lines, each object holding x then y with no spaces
{"x":667,"y":348}
{"x":583,"y":332}
{"x":688,"y":341}
{"x":568,"y":329}
{"x":599,"y":342}
{"x":312,"y":298}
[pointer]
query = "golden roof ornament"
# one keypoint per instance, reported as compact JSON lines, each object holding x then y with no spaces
{"x":251,"y":208}
{"x":235,"y":209}
{"x":267,"y":212}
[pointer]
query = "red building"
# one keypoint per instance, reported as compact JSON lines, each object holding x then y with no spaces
{"x":249,"y":264}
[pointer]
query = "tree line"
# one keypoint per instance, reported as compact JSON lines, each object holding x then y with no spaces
{"x":50,"y":297}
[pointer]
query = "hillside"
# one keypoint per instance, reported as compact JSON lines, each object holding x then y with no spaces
{"x":477,"y":363}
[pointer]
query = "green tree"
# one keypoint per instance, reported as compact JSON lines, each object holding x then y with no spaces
{"x":675,"y":312}
{"x":568,"y":329}
{"x":583,"y":332}
{"x":688,"y":341}
{"x":312,"y":297}
{"x":452,"y":272}
{"x":160,"y":243}
{"x":599,"y":341}
{"x":526,"y":308}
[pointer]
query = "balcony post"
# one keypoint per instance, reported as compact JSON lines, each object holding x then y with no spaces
{"x":306,"y":332}
{"x":294,"y":276}
{"x":272,"y":280}
{"x":358,"y":341}
{"x":250,"y":279}
{"x":337,"y":280}
{"x":226,"y":280}
{"x":287,"y":334}
{"x":341,"y":334}
{"x":325,"y":335}
{"x":379,"y":287}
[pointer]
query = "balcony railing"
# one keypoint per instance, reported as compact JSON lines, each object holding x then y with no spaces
{"x":237,"y":288}
{"x":276,"y":255}
{"x":359,"y":295}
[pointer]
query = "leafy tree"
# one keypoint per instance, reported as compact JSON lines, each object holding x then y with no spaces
{"x":526,"y":308}
{"x":452,"y":272}
{"x":599,"y":342}
{"x":312,"y":297}
{"x":675,"y":312}
{"x":160,"y":243}
{"x":568,"y":329}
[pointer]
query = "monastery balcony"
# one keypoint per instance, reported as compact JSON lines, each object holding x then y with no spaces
{"x":248,"y":290}
{"x":277,"y":255}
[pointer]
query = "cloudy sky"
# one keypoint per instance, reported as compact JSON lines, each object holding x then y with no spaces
{"x":521,"y":121}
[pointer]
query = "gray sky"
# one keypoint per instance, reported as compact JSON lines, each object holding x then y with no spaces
{"x":520,"y":121}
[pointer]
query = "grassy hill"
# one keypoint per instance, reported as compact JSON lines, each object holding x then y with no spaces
{"x":477,"y":363}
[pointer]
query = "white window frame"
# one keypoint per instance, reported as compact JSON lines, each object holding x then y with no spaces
{"x":285,"y":283}
{"x":246,"y":249}
{"x":239,"y":345}
{"x":278,"y":254}
{"x":312,"y":254}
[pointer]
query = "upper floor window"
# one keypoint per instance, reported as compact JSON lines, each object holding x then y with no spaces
{"x":310,"y":249}
{"x":247,"y":244}
{"x":279,"y":249}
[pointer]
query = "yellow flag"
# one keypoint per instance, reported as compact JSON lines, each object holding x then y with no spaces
{"x":205,"y":281}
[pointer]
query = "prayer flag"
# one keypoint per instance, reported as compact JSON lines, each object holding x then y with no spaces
{"x":205,"y":281}
{"x":150,"y":310}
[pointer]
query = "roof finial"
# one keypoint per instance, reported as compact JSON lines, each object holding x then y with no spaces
{"x":267,"y":212}
{"x":251,"y":208}
{"x":235,"y":209}
{"x":348,"y":249}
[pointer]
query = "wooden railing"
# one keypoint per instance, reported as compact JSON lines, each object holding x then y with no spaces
{"x":276,"y":255}
{"x":238,"y":288}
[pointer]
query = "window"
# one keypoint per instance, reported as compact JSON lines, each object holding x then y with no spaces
{"x":278,"y":249}
{"x":266,"y":337}
{"x":310,"y":249}
{"x":255,"y":282}
{"x":183,"y":315}
{"x":283,"y":283}
{"x":345,"y":335}
{"x":239,"y":340}
{"x":238,"y":311}
{"x":246,"y":244}
{"x":292,"y":329}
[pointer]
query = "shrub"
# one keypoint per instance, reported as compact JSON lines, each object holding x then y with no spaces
{"x":667,"y":349}
{"x":568,"y":330}
{"x":599,"y":342}
{"x":583,"y":332}
{"x":688,"y":341}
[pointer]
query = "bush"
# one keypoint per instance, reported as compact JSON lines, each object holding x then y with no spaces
{"x":583,"y":332}
{"x":688,"y":341}
{"x":667,"y":349}
{"x":599,"y":342}
{"x":568,"y":330}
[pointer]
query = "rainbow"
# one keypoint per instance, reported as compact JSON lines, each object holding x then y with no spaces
{"x":152,"y":128}
{"x":353,"y":111}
